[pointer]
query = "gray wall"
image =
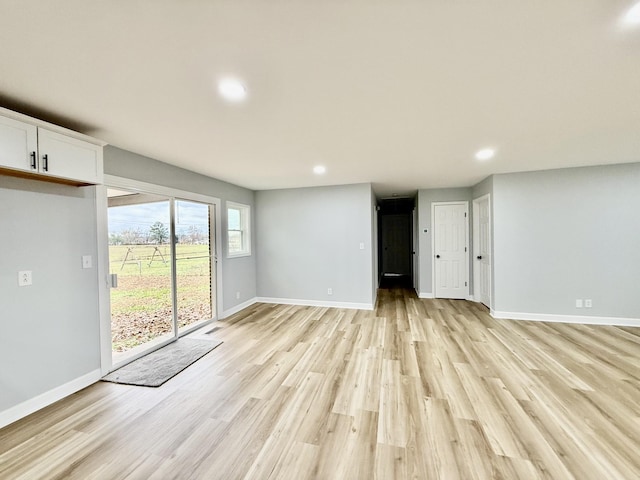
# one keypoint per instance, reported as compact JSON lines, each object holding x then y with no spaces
{"x":308,"y":241}
{"x":565,"y":234}
{"x":239,"y":274}
{"x":49,"y":332}
{"x":425,"y":199}
{"x":482,"y":188}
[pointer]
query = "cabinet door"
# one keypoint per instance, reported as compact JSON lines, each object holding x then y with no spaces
{"x":69,"y":158}
{"x":18,"y":145}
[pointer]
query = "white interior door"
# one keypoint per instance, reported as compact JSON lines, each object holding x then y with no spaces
{"x":451,"y":259}
{"x":482,"y":249}
{"x":414,"y":251}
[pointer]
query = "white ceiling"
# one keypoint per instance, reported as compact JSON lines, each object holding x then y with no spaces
{"x":394,"y":92}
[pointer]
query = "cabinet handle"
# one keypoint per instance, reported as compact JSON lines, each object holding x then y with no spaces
{"x":45,"y":162}
{"x":34,"y":165}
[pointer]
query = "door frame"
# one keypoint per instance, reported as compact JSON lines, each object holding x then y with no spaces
{"x":433,"y":243}
{"x":415,"y":257}
{"x":104,"y":283}
{"x":476,"y":242}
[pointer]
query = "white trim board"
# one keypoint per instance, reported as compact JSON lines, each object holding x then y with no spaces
{"x":316,"y":303}
{"x":430,"y":295}
{"x":146,"y":187}
{"x":45,"y":399}
{"x":581,"y":319}
{"x":239,"y":307}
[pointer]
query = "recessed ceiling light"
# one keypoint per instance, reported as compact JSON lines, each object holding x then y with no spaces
{"x":633,"y":15}
{"x":232,"y":89}
{"x":319,"y":169}
{"x":485,"y":154}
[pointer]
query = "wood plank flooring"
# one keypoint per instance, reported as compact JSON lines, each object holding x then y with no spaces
{"x":420,"y":389}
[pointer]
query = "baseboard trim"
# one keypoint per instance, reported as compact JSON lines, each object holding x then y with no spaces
{"x":45,"y":399}
{"x":237,"y":308}
{"x":425,"y":295}
{"x":316,"y":303}
{"x":586,"y":320}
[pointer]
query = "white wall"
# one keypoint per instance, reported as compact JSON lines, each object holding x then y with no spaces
{"x":49,"y":332}
{"x":309,"y":241}
{"x":568,"y":234}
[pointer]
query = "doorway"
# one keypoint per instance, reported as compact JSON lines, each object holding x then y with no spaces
{"x":450,"y":228}
{"x":140,"y":265}
{"x":482,"y":250}
{"x":162,"y":266}
{"x":395,"y":220}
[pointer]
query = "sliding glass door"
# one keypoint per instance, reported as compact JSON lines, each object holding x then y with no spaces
{"x":194,"y":262}
{"x":161,"y":259}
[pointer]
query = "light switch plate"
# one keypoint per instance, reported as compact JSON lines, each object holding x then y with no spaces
{"x":87,"y":261}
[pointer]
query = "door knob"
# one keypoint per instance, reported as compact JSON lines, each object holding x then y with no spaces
{"x":437,"y":256}
{"x":479,"y":257}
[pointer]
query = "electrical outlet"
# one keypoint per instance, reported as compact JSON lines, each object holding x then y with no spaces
{"x":25,"y":278}
{"x":587,"y":303}
{"x":579,"y":303}
{"x":238,"y":295}
{"x":329,"y":291}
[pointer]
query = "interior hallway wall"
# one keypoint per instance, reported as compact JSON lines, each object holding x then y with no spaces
{"x":309,"y":241}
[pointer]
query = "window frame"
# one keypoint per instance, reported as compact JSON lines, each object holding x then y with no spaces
{"x":245,"y":229}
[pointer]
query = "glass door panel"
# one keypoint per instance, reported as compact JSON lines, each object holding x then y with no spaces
{"x":193,"y":263}
{"x":141,"y":257}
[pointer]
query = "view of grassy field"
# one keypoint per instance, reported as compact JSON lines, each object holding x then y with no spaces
{"x":141,"y":305}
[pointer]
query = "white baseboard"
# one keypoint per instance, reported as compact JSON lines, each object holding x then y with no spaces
{"x":425,"y":295}
{"x":47,"y":398}
{"x":586,"y":320}
{"x":316,"y":303}
{"x":237,"y":308}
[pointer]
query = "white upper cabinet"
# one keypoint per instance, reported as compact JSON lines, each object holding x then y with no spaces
{"x":33,"y":150}
{"x":18,"y":144}
{"x":70,"y":158}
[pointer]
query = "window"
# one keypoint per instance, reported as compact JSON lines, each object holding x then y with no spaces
{"x":238,"y":230}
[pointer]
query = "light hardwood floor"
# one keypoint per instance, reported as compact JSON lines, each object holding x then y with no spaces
{"x":425,"y":389}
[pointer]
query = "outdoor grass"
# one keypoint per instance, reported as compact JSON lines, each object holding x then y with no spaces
{"x":141,"y":308}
